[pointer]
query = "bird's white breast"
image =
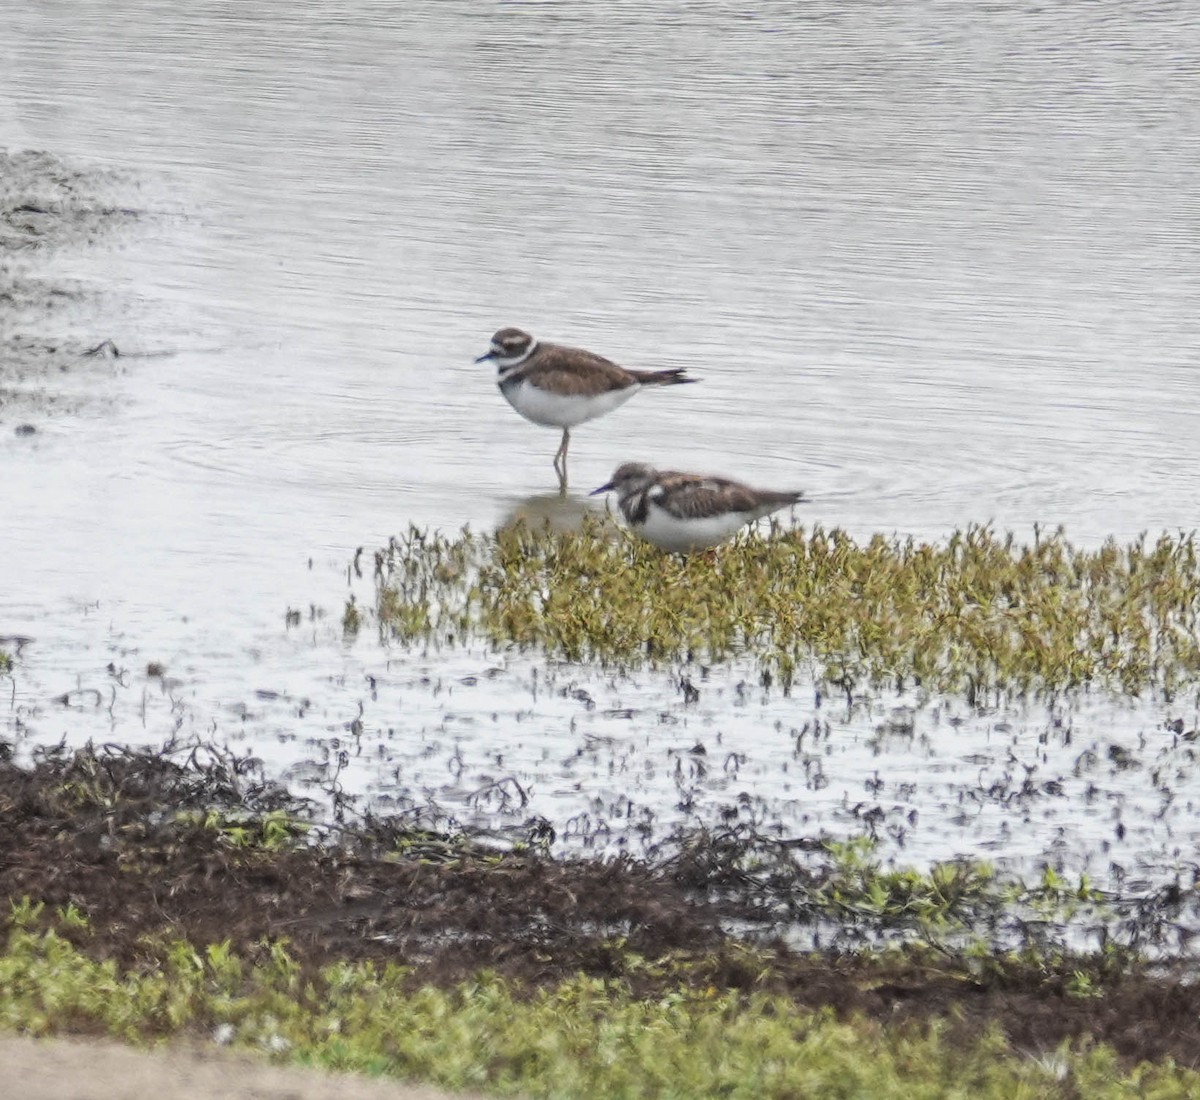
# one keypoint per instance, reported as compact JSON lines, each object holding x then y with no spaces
{"x":555,"y":410}
{"x":681,"y":536}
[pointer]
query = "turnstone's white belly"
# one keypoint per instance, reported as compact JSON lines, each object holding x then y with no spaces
{"x":682,"y":536}
{"x":554,"y":410}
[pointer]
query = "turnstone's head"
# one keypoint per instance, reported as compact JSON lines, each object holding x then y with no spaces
{"x":629,"y":477}
{"x":510,"y":346}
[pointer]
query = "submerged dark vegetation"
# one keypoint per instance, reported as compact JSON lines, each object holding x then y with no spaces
{"x":48,"y":206}
{"x":180,"y":892}
{"x":979,"y":614}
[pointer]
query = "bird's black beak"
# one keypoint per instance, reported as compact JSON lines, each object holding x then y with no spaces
{"x":603,"y":489}
{"x":487,"y":355}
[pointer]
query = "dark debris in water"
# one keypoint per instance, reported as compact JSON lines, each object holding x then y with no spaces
{"x":193,"y":842}
{"x":45,"y":202}
{"x":48,"y":205}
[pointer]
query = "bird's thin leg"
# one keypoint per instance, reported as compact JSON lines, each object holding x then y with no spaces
{"x":560,"y":459}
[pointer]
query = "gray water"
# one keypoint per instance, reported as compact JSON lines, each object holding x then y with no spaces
{"x":936,"y":263}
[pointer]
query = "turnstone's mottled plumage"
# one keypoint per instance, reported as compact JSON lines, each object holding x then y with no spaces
{"x":686,"y":512}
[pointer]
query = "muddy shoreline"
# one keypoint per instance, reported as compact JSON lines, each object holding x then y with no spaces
{"x":197,"y":845}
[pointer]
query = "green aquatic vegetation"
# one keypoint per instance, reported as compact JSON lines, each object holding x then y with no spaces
{"x":978,"y":613}
{"x":946,"y":896}
{"x":274,"y":831}
{"x":584,"y":1037}
{"x":954,"y":904}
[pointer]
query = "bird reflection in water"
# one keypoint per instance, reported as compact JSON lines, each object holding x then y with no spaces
{"x":561,"y":511}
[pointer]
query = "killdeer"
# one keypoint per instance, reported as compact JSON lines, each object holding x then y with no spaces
{"x":686,"y":512}
{"x":558,"y":386}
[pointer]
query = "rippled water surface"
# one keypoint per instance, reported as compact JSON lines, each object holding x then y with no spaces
{"x":937,"y":263}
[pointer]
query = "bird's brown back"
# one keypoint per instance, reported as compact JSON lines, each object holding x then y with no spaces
{"x":695,"y":496}
{"x":577,"y":371}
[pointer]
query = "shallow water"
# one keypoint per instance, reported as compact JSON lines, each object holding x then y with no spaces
{"x":934,"y":265}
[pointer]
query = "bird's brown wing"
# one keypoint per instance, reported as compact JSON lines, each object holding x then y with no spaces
{"x":695,"y":496}
{"x":575,"y":371}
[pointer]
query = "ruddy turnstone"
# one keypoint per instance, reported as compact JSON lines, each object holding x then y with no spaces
{"x":559,"y":386}
{"x":686,"y":512}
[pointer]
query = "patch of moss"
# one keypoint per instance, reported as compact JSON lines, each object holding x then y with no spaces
{"x":979,"y":613}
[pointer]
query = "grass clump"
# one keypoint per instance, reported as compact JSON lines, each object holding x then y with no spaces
{"x":583,"y":1037}
{"x":977,"y":613}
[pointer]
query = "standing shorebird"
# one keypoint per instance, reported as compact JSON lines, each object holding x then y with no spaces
{"x":559,"y":386}
{"x":686,"y":512}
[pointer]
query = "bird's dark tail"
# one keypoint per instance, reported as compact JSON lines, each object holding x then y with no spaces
{"x":675,"y":376}
{"x":784,"y":498}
